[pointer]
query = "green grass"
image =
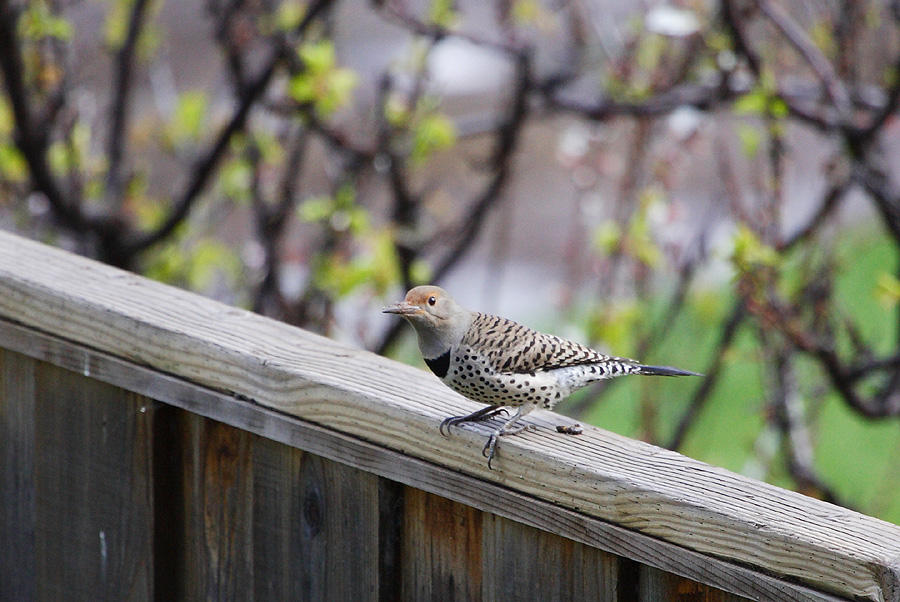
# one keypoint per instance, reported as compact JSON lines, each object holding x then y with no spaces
{"x":858,"y":457}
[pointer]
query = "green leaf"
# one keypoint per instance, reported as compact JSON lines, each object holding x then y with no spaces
{"x":60,"y":158}
{"x":289,"y":15}
{"x":7,"y":120}
{"x":269,"y":146}
{"x":190,"y":112}
{"x":396,"y":111}
{"x":195,"y":265}
{"x":315,"y":209}
{"x":641,"y":245}
{"x":385,"y":263}
{"x":148,"y":213}
{"x":750,"y":139}
{"x":762,"y":100}
{"x":68,"y":155}
{"x":420,"y":271}
{"x":750,"y":253}
{"x":527,"y":12}
{"x":607,"y":237}
{"x":616,"y":325}
{"x":887,"y":290}
{"x":236,"y":180}
{"x":752,"y":103}
{"x":650,"y":50}
{"x":209,"y":259}
{"x":778,"y":108}
{"x":442,"y":13}
{"x":434,"y":132}
{"x":115,"y":27}
{"x":37,"y":23}
{"x":322,"y":83}
{"x":318,"y":57}
{"x":13,"y":167}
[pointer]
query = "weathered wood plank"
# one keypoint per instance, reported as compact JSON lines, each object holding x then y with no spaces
{"x":276,"y":519}
{"x":338,"y":531}
{"x":655,"y":586}
{"x":93,"y":495}
{"x":316,"y":527}
{"x":427,"y":476}
{"x":628,"y":483}
{"x":17,"y":513}
{"x":524,"y":563}
{"x":442,"y":549}
{"x":219,"y":511}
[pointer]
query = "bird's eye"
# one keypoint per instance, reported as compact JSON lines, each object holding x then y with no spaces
{"x":431,"y":300}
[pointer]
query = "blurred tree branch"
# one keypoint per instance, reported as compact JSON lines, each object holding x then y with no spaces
{"x":323,"y":194}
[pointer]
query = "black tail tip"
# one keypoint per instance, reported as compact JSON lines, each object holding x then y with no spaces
{"x":665,"y":371}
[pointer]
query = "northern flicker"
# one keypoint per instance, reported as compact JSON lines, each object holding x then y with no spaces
{"x":501,"y":363}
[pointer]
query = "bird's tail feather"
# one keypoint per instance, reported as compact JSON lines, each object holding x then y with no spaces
{"x":664,"y":371}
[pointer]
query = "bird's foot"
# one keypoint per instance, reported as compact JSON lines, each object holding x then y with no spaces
{"x":479,"y":416}
{"x":491,"y":445}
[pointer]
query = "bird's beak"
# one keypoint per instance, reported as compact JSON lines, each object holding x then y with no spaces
{"x":403,"y":308}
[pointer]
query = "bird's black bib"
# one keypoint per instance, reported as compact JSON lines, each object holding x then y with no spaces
{"x":439,"y":365}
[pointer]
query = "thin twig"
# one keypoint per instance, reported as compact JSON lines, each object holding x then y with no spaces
{"x":468,"y":228}
{"x":712,"y":374}
{"x":123,"y":85}
{"x":30,"y":136}
{"x":813,"y":56}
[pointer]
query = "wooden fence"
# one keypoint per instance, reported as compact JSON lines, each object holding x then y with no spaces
{"x":158,"y":445}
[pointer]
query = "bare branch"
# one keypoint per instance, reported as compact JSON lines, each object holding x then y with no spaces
{"x":30,"y":135}
{"x":470,"y":226}
{"x":792,"y":421}
{"x":123,"y":83}
{"x":827,"y":207}
{"x":808,"y":50}
{"x":205,"y":168}
{"x":712,"y":374}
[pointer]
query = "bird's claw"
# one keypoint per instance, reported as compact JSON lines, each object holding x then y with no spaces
{"x":491,"y":446}
{"x":479,"y":416}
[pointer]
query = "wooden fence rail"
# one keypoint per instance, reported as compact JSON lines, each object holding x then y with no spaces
{"x":158,"y":445}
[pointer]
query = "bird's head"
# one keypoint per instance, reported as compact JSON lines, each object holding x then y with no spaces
{"x":439,"y":321}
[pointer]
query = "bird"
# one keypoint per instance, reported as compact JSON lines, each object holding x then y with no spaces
{"x":499,"y":362}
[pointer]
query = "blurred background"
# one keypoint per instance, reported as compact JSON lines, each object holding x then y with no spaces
{"x":711,"y":185}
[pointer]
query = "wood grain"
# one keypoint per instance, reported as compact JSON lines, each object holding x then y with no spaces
{"x":93,"y":496}
{"x":338,"y":535}
{"x":519,"y":558}
{"x":17,"y":513}
{"x":442,"y":549}
{"x":276,"y":521}
{"x":655,"y":585}
{"x":218,"y":506}
{"x":625,"y":482}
